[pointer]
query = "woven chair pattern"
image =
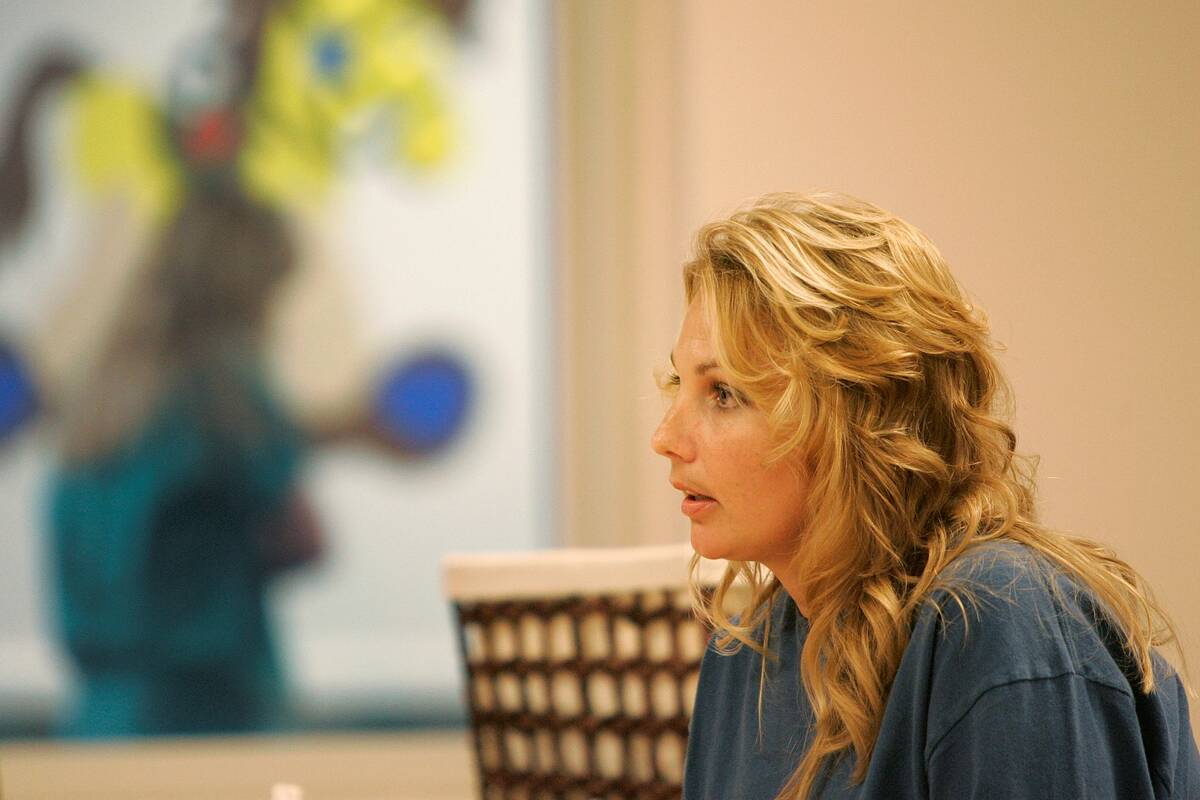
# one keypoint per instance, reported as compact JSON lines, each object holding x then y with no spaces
{"x":581,"y":697}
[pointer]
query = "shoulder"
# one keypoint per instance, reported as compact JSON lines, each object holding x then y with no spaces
{"x":1005,"y":615}
{"x":1013,"y":614}
{"x":1012,"y":649}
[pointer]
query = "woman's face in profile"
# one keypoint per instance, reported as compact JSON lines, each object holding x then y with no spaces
{"x":740,"y":508}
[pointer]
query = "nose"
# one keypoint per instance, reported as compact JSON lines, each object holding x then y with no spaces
{"x":671,"y":438}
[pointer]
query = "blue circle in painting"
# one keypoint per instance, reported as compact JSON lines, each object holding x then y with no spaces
{"x":330,"y":55}
{"x":423,"y":402}
{"x":18,"y":401}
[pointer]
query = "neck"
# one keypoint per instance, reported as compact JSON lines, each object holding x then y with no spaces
{"x":791,"y":584}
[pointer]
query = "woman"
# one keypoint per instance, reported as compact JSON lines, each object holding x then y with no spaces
{"x":911,"y":631}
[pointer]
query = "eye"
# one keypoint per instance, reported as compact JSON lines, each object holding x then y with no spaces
{"x":668,"y":380}
{"x":725,"y":396}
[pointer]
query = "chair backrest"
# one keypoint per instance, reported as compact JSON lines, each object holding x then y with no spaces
{"x":581,"y":668}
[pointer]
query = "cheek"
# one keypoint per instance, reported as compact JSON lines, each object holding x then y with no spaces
{"x":766,"y":498}
{"x":734,"y":467}
{"x":776,"y":499}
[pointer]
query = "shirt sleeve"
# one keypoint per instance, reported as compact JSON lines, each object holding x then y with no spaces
{"x":1065,"y":736}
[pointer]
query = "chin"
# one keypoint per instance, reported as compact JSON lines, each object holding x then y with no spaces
{"x":708,"y":545}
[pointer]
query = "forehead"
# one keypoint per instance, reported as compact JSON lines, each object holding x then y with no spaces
{"x":694,"y":340}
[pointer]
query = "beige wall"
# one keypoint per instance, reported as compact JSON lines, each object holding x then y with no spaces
{"x":620,"y":247}
{"x":1051,"y":152}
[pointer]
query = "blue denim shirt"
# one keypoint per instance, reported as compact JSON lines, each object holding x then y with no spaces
{"x":1021,"y":695}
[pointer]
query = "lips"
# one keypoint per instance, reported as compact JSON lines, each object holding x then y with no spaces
{"x":691,"y":491}
{"x":695,"y":502}
{"x":697,"y":506}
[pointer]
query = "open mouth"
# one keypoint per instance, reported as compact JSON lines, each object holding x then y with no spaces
{"x":697,"y":506}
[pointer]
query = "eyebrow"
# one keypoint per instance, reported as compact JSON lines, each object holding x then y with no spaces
{"x":700,"y":368}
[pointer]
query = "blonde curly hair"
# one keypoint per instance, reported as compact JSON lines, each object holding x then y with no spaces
{"x":843,"y":323}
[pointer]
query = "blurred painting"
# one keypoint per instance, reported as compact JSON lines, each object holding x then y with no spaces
{"x":275,"y":334}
